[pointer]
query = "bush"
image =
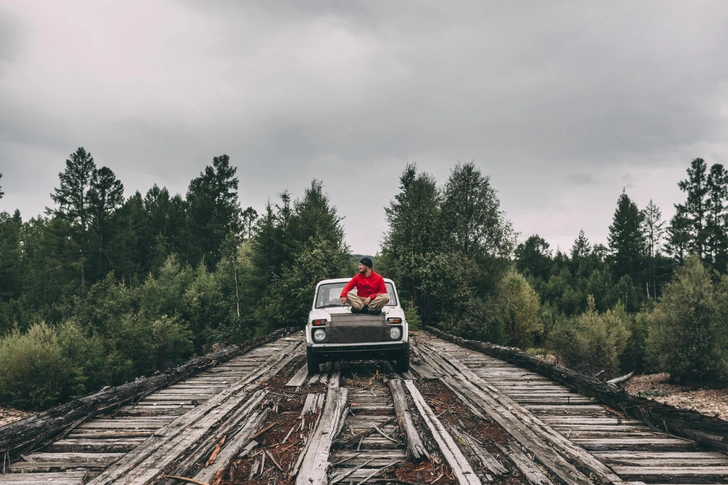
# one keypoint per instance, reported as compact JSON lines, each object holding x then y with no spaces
{"x":592,"y":342}
{"x":517,"y":307}
{"x":688,"y":332}
{"x":34,"y":373}
{"x":172,"y":343}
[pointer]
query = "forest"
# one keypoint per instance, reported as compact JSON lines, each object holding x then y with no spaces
{"x":102,"y":289}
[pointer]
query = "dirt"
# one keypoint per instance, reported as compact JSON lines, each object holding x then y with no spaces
{"x":10,"y":415}
{"x":711,"y":402}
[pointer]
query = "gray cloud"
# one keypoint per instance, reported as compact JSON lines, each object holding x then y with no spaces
{"x":580,"y":178}
{"x":548,"y":98}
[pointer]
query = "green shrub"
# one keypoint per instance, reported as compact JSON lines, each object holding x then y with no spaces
{"x":688,"y":334}
{"x":592,"y":342}
{"x":413,"y":318}
{"x":634,"y":357}
{"x":34,"y":373}
{"x":172,"y":343}
{"x":517,"y":306}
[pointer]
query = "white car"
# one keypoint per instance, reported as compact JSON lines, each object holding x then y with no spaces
{"x":333,"y":332}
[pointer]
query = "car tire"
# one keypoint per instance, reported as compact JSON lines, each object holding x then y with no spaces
{"x":401,"y":359}
{"x":312,"y":362}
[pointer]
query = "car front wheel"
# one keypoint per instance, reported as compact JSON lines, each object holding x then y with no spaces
{"x":312,"y":362}
{"x":401,"y":359}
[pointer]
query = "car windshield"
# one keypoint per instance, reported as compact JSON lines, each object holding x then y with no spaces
{"x":329,"y":295}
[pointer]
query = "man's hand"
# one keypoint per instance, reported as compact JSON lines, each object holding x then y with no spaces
{"x":343,"y":300}
{"x":367,"y":300}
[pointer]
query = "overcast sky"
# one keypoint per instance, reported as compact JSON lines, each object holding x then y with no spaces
{"x":562,"y":103}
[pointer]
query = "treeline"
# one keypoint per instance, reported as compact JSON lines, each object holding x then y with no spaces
{"x":103,"y":288}
{"x":653,"y":299}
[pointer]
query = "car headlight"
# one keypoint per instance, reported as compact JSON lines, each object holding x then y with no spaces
{"x":395,"y":333}
{"x":319,"y":335}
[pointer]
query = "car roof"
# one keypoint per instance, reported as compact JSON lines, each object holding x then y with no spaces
{"x":345,"y":280}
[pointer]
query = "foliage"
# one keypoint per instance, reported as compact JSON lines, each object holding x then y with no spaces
{"x":34,"y":373}
{"x":518,"y":308}
{"x":688,"y":336}
{"x":627,"y":242}
{"x":592,"y":342}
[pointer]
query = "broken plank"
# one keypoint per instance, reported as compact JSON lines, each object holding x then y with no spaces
{"x":457,"y":461}
{"x":315,"y":462}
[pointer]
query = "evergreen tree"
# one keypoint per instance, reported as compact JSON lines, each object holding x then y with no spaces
{"x":687,"y":232}
{"x":72,"y":198}
{"x":533,"y":257}
{"x":11,"y":262}
{"x":249,"y":216}
{"x":414,"y":232}
{"x":213,"y":211}
{"x":165,"y":230}
{"x":715,"y":224}
{"x":128,"y":249}
{"x":626,"y":240}
{"x":1,"y":192}
{"x":105,"y":197}
{"x":581,"y":247}
{"x":653,"y":229}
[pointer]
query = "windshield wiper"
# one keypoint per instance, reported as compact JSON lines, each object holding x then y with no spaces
{"x":329,"y":305}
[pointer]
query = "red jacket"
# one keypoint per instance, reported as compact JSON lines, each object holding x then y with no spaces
{"x":366,"y":287}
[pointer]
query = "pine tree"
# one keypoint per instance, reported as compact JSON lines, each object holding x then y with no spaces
{"x":653,"y":229}
{"x":213,"y":211}
{"x":105,"y":197}
{"x":687,"y":228}
{"x":414,"y":230}
{"x":72,"y":198}
{"x":627,"y":242}
{"x":581,"y":247}
{"x":715,"y":224}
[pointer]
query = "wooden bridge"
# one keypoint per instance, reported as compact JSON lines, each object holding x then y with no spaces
{"x":465,"y":413}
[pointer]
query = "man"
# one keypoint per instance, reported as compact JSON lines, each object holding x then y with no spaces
{"x":371,"y":294}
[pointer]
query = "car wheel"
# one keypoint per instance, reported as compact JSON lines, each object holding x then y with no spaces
{"x":401,"y":359}
{"x":312,"y":362}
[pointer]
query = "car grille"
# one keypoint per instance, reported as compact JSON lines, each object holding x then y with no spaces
{"x":349,"y":329}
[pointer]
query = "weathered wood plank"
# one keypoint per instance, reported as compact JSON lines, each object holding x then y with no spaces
{"x":525,"y":465}
{"x":299,"y":378}
{"x":452,"y":454}
{"x":537,"y":437}
{"x":60,"y":478}
{"x":174,"y":442}
{"x":22,"y":436}
{"x":688,"y":424}
{"x":315,"y":463}
{"x":233,"y":447}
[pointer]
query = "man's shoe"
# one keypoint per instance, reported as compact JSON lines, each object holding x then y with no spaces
{"x":365,"y":310}
{"x":376,"y":311}
{"x":354,"y":310}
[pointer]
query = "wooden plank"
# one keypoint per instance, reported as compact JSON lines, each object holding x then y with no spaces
{"x":315,"y":463}
{"x":299,"y":378}
{"x":650,"y":443}
{"x":450,"y":451}
{"x":671,"y":473}
{"x":173,"y":442}
{"x":684,"y":457}
{"x":685,"y":423}
{"x":232,"y":448}
{"x":61,"y":478}
{"x":525,"y":465}
{"x":538,"y":439}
